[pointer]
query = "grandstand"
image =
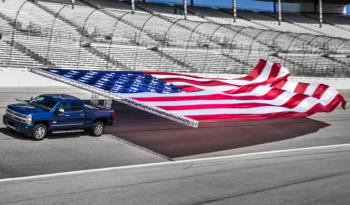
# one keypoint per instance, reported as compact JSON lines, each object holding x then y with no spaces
{"x":105,"y":34}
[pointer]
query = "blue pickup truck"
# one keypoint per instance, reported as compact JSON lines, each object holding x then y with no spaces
{"x":56,"y":112}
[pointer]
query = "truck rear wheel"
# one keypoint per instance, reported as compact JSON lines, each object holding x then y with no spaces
{"x":97,"y":128}
{"x":39,"y":132}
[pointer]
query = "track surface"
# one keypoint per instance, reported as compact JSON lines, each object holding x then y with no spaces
{"x":231,"y":137}
{"x":20,"y":156}
{"x":222,"y":138}
{"x":139,"y":137}
{"x":312,"y":176}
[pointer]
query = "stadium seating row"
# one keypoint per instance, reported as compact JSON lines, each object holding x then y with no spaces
{"x":105,"y":34}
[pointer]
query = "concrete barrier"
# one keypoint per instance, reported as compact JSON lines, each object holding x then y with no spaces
{"x":24,"y":78}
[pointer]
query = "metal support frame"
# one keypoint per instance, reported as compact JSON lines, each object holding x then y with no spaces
{"x":210,"y":40}
{"x":234,"y":5}
{"x":231,"y":47}
{"x":113,"y":30}
{"x":165,"y":39}
{"x":83,"y":33}
{"x":14,"y":30}
{"x":113,"y":96}
{"x":51,"y":29}
{"x":254,"y":39}
{"x":94,"y":99}
{"x":190,"y":38}
{"x":320,"y":9}
{"x":132,"y":6}
{"x":107,"y":103}
{"x":279,"y":12}
{"x":140,"y":36}
{"x":185,"y":9}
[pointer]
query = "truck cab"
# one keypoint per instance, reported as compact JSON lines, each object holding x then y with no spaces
{"x":56,"y":112}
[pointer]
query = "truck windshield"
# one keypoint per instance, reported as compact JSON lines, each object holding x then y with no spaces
{"x":43,"y":102}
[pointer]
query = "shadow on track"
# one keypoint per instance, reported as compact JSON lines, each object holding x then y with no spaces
{"x":21,"y":136}
{"x":175,"y":140}
{"x":13,"y":134}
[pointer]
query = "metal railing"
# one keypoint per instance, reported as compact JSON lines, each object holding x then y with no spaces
{"x":141,"y":41}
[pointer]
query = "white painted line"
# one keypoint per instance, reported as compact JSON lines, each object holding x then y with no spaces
{"x":170,"y":162}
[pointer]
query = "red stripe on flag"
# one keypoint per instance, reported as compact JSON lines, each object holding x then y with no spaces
{"x":214,"y":106}
{"x":244,"y":89}
{"x":246,"y":116}
{"x":208,"y":83}
{"x":177,"y":74}
{"x":279,"y":84}
{"x":275,"y":70}
{"x":316,"y":108}
{"x":319,"y":91}
{"x":272,"y":94}
{"x":301,"y":87}
{"x":294,"y":101}
{"x":256,"y":72}
{"x":189,"y":88}
{"x":328,"y":108}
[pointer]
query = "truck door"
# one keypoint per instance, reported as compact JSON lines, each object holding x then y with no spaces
{"x":60,"y":123}
{"x":72,"y":118}
{"x":76,"y":114}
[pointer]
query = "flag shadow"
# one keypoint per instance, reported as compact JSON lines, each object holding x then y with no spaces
{"x":175,"y":140}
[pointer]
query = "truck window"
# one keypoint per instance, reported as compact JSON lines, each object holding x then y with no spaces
{"x":76,"y":106}
{"x":64,"y":106}
{"x":43,"y":102}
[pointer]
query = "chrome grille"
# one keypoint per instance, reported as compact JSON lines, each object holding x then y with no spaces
{"x":16,"y":116}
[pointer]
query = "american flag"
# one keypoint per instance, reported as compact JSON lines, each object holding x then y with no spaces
{"x":264,"y":93}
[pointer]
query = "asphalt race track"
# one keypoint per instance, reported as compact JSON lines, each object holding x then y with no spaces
{"x":20,"y":156}
{"x":312,"y":176}
{"x":224,"y":138}
{"x":306,"y":176}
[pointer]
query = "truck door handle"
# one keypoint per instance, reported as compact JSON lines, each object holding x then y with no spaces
{"x":82,"y":114}
{"x":67,"y":115}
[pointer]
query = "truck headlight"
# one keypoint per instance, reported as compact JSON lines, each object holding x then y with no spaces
{"x":29,"y":119}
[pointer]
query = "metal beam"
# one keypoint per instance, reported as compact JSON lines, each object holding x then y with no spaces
{"x":132,"y":6}
{"x":279,"y":12}
{"x":97,"y":91}
{"x":320,"y":12}
{"x":94,"y":99}
{"x":234,"y":6}
{"x":185,"y":9}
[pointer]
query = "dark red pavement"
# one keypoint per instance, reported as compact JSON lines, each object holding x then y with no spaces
{"x":175,"y":140}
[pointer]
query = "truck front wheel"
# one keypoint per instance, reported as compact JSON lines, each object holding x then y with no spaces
{"x":39,"y":132}
{"x":97,"y":128}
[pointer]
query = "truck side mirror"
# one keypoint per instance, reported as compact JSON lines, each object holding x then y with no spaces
{"x":60,"y":111}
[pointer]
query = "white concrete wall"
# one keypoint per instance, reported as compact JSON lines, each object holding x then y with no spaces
{"x":23,"y":78}
{"x":27,"y":79}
